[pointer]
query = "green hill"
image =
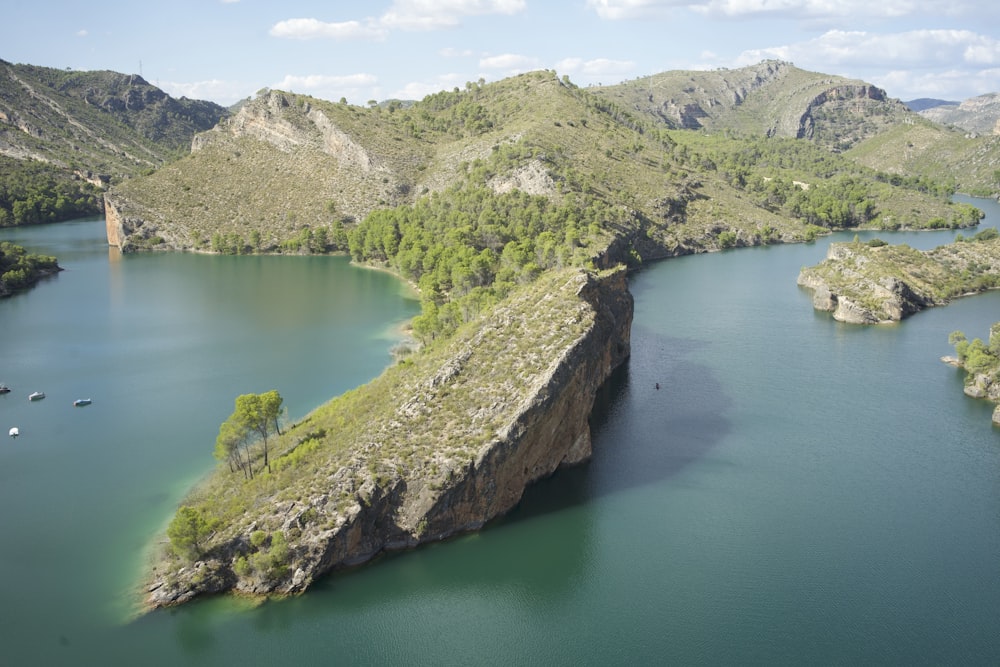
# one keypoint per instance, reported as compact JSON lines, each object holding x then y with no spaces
{"x":286,"y":165}
{"x":66,"y":135}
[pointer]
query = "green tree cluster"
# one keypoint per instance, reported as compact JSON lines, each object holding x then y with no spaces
{"x":977,"y":357}
{"x":269,"y":558}
{"x":20,"y":269}
{"x":804,"y":181}
{"x":466,"y":247}
{"x":32,"y":192}
{"x":189,"y":530}
{"x":255,"y":418}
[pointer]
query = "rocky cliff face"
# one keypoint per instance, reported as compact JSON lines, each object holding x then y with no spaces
{"x":773,"y":98}
{"x":104,"y":121}
{"x":539,"y":431}
{"x":127,"y":230}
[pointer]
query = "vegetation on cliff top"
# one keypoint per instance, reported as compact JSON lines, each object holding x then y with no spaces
{"x":978,"y":357}
{"x":981,"y":362}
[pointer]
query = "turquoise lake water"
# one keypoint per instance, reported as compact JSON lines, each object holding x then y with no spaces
{"x":798,"y":491}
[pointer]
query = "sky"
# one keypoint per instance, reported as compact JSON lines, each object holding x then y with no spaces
{"x":227,"y":50}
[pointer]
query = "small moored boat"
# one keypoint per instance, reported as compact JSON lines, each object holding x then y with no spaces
{"x":36,"y":395}
{"x":82,"y":401}
{"x":4,"y":389}
{"x":14,"y":432}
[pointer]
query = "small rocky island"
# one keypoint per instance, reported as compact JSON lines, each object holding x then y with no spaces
{"x":876,"y":283}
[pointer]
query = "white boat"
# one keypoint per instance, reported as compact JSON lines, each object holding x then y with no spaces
{"x":36,"y":396}
{"x":14,"y":432}
{"x":4,"y":389}
{"x":82,"y":401}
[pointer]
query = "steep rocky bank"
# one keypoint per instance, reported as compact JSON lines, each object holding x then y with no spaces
{"x":506,"y":404}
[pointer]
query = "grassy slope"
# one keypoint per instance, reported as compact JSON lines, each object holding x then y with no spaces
{"x":925,"y":148}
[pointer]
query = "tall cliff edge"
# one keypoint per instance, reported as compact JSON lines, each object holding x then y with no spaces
{"x":434,"y":447}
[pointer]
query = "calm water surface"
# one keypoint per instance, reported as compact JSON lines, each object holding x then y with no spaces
{"x":798,"y":491}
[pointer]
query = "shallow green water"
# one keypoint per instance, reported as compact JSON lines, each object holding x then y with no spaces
{"x":797,"y":491}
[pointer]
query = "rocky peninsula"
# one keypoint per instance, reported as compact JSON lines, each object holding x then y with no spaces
{"x":434,"y":447}
{"x":877,"y":283}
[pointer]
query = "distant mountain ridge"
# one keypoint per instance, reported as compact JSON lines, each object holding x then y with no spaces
{"x":773,"y":98}
{"x":101,"y":122}
{"x":925,"y":103}
{"x":979,"y":114}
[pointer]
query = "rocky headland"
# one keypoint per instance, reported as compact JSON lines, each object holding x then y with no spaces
{"x":876,"y":283}
{"x":432,"y":448}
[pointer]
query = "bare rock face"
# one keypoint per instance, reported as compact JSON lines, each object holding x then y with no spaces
{"x":122,"y":229}
{"x":544,"y":429}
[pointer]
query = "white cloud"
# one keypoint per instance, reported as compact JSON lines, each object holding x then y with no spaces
{"x":418,"y":90}
{"x":356,"y":87}
{"x":300,"y":84}
{"x":800,"y":9}
{"x":951,"y":84}
{"x":632,"y":9}
{"x":412,"y":15}
{"x":916,"y":48}
{"x":316,"y":29}
{"x":450,"y":52}
{"x":216,"y":90}
{"x":595,"y":68}
{"x":82,"y":33}
{"x":508,"y":61}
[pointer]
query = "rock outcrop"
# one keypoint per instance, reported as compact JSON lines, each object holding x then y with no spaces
{"x":864,"y":284}
{"x":540,"y":421}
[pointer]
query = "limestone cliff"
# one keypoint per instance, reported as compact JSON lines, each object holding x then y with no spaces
{"x":454,"y":445}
